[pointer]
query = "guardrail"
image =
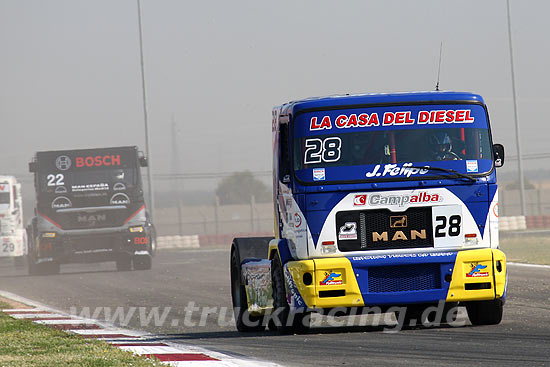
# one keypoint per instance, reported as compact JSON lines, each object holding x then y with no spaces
{"x":520,"y":222}
{"x":178,"y":242}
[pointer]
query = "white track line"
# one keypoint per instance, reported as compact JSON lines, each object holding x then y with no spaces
{"x":138,"y":342}
{"x":530,"y":265}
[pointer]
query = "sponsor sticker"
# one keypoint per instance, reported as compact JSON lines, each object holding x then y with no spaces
{"x":297,"y":220}
{"x":360,"y":200}
{"x":63,"y":163}
{"x":332,"y":278}
{"x":319,"y":174}
{"x":471,"y":166}
{"x":348,"y":231}
{"x":90,"y":187}
{"x":477,"y":271}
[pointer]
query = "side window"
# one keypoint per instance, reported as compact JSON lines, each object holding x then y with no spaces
{"x":284,"y":158}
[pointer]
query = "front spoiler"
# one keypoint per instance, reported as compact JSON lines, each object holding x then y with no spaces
{"x":91,"y":248}
{"x":394,"y":280}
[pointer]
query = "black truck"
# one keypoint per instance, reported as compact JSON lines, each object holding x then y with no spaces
{"x":89,"y":209}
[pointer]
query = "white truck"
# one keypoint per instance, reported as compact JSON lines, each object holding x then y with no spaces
{"x":13,"y":236}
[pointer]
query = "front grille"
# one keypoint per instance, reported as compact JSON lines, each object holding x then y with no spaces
{"x":383,"y":229}
{"x":404,"y":278}
{"x":91,"y":220}
{"x":93,"y":243}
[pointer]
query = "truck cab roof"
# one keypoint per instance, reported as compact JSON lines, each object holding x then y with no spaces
{"x":348,"y":100}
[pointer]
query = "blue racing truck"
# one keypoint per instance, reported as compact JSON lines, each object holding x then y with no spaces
{"x":381,"y":200}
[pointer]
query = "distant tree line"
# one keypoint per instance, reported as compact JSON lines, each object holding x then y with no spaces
{"x":240,"y":187}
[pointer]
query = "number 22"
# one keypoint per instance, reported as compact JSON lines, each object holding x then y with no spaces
{"x":55,"y":180}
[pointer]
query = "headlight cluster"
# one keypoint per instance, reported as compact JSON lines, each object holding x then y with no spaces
{"x":137,"y":229}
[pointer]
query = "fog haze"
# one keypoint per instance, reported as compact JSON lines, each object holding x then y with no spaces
{"x":70,"y":71}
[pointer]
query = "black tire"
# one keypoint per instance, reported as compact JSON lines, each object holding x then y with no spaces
{"x":142,"y":262}
{"x":153,"y":248}
{"x":124,"y":262}
{"x":32,"y":266}
{"x":485,"y":312}
{"x":286,"y":322}
{"x":447,"y":317}
{"x":415,"y":315}
{"x":243,"y":320}
{"x":31,"y":261}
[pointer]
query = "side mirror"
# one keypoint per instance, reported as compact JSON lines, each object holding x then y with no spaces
{"x":498,"y":152}
{"x":32,"y":166}
{"x":143,"y":161}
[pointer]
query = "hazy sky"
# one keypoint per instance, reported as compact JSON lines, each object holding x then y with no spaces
{"x":70,"y":72}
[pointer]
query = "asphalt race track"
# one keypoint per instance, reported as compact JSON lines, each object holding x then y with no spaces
{"x":187,"y":285}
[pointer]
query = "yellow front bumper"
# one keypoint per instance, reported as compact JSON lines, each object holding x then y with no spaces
{"x":476,"y":275}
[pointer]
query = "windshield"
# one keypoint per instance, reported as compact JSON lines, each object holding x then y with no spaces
{"x":381,"y":147}
{"x":381,"y":143}
{"x":4,"y":198}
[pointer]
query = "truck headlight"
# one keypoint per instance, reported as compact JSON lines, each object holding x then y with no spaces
{"x":328,"y":247}
{"x":137,"y":229}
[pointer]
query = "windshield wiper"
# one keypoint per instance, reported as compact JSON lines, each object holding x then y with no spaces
{"x":456,"y":173}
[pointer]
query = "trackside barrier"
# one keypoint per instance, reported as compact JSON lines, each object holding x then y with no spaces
{"x":178,"y":242}
{"x":198,"y":241}
{"x":225,"y":240}
{"x":512,"y":223}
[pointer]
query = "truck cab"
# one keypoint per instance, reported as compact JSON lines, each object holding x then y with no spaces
{"x":89,"y":208}
{"x":381,"y":200}
{"x":12,"y":232}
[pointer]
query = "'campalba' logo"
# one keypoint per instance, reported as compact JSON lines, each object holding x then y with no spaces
{"x":332,"y":278}
{"x":360,"y":200}
{"x":477,"y":271}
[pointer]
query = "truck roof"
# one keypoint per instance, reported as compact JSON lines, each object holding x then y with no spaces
{"x":349,"y":100}
{"x":88,"y":150}
{"x":6,"y":178}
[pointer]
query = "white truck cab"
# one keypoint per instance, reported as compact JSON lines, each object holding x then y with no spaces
{"x":13,"y":237}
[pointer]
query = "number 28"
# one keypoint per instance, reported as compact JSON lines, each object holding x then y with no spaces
{"x":318,"y":150}
{"x":454,"y":226}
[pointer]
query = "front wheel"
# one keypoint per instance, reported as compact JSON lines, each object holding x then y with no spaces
{"x":485,"y":312}
{"x":142,"y":262}
{"x":287,"y":322}
{"x":123,"y":262}
{"x":243,"y":320}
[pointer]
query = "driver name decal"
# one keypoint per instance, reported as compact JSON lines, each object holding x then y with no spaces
{"x":395,"y":170}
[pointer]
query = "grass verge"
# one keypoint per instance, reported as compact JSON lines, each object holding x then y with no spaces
{"x":531,"y":250}
{"x":26,"y":344}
